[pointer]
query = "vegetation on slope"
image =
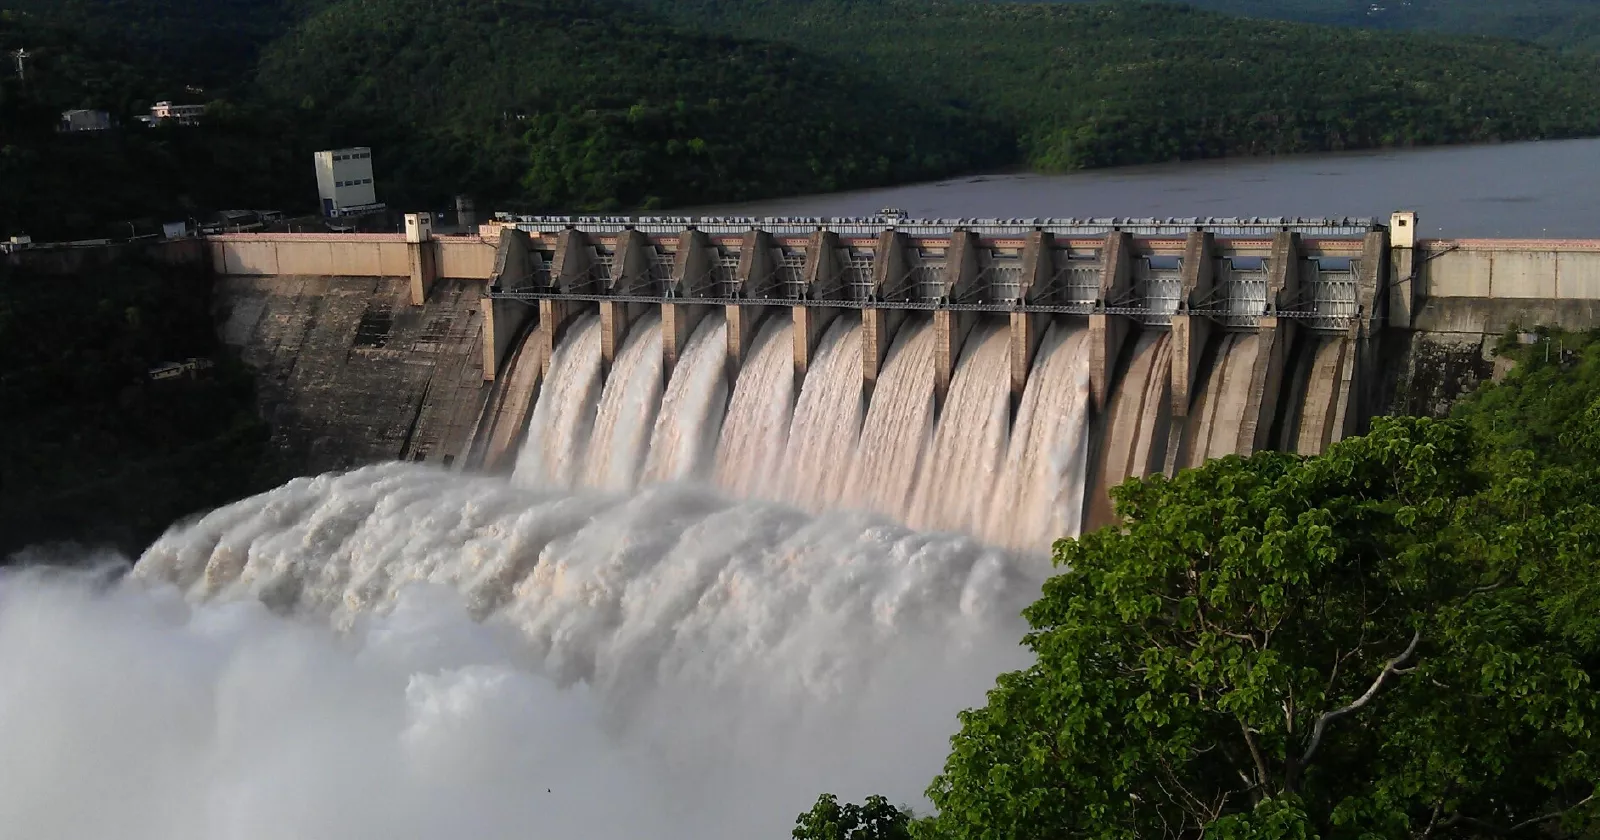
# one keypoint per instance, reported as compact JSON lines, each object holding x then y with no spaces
{"x":86,"y":185}
{"x":1572,"y":24}
{"x":1110,"y":84}
{"x":95,"y":451}
{"x":1397,"y":639}
{"x":574,"y":105}
{"x":582,"y":104}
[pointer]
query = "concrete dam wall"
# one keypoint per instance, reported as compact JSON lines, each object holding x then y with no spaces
{"x":992,"y":376}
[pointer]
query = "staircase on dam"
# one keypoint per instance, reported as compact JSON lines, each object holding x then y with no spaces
{"x":1200,"y":337}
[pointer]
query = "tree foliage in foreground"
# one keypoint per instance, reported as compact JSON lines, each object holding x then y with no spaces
{"x":1399,"y":638}
{"x":874,"y":819}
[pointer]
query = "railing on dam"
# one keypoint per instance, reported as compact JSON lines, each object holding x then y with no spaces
{"x":1321,"y":273}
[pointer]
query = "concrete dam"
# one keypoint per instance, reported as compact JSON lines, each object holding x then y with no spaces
{"x":989,"y":376}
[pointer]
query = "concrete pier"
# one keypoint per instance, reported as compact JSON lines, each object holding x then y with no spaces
{"x":1276,"y":335}
{"x":1191,"y":332}
{"x":1107,"y":331}
{"x":823,"y":282}
{"x":951,"y":327}
{"x":1027,"y":328}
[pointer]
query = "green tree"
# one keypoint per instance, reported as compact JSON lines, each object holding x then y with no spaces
{"x":874,"y":819}
{"x":1383,"y":641}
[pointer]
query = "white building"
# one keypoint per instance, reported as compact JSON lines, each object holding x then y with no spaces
{"x":167,"y":112}
{"x":344,"y":181}
{"x":85,"y":120}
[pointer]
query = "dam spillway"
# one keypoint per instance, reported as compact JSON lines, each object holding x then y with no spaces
{"x":992,"y":378}
{"x":565,"y":343}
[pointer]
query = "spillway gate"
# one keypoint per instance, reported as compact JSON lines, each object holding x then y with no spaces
{"x":1233,"y":272}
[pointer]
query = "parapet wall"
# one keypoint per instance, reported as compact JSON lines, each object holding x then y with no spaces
{"x":1451,"y":300}
{"x":346,"y":255}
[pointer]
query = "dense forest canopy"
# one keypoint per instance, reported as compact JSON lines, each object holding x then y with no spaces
{"x":97,"y":451}
{"x":580,"y":105}
{"x":1571,"y":24}
{"x":1121,"y":83}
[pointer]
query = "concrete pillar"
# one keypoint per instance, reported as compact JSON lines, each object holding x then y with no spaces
{"x":503,"y":320}
{"x":757,"y":273}
{"x":1404,"y":291}
{"x":420,"y":250}
{"x":961,"y":266}
{"x":554,"y":316}
{"x":1362,"y":353}
{"x":572,"y":269}
{"x":878,"y":329}
{"x":424,"y":270}
{"x":809,"y":324}
{"x":615,"y":318}
{"x":1347,"y":407}
{"x":743,"y":323}
{"x":1190,"y":332}
{"x":1276,"y":336}
{"x":691,"y":266}
{"x":1038,"y":267}
{"x":952,"y":327}
{"x":1107,"y":332}
{"x":890,"y":269}
{"x":678,"y":321}
{"x":824,"y":279}
{"x":630,"y":275}
{"x":630,"y":265}
{"x":1027,"y":328}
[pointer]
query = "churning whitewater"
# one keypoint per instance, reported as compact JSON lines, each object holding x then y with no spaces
{"x":405,"y":652}
{"x":696,"y":603}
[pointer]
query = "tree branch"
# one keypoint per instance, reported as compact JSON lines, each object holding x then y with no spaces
{"x":1552,"y":815}
{"x":1321,"y":726}
{"x":1255,"y":755}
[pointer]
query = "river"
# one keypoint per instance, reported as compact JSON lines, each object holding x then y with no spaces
{"x":1548,"y":189}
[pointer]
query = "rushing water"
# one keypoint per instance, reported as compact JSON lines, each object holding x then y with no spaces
{"x":405,"y":652}
{"x":1537,"y":190}
{"x":958,"y":469}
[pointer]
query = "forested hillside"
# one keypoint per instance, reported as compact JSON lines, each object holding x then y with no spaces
{"x":1119,"y":83}
{"x":580,"y":104}
{"x":574,"y":105}
{"x":1571,"y":24}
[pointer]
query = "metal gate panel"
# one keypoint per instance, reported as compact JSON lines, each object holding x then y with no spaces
{"x":1333,"y":296}
{"x":1244,"y":288}
{"x":928,"y":281}
{"x":858,"y":275}
{"x":792,"y":274}
{"x":727,"y":269}
{"x":1159,"y":290}
{"x":1005,"y":277}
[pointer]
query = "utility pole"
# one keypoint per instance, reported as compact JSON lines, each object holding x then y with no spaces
{"x":22,"y":56}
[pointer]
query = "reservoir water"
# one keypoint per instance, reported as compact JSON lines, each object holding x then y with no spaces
{"x":1547,"y":189}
